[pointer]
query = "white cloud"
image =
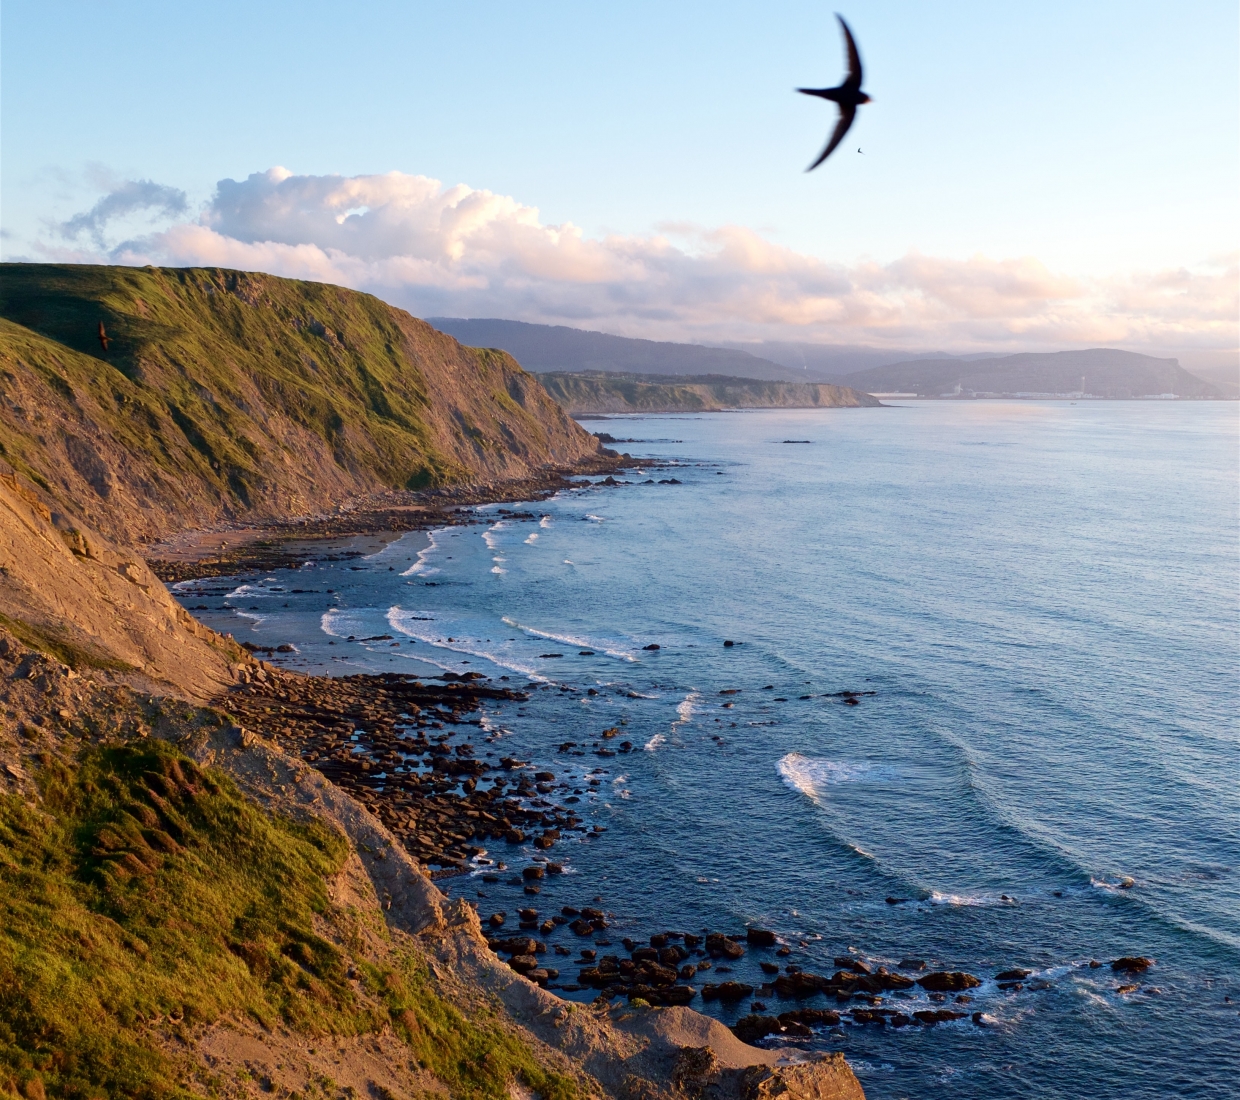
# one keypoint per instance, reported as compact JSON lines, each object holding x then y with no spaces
{"x":457,"y":251}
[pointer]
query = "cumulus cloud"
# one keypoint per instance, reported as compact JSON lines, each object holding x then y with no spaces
{"x":458,"y":251}
{"x":127,"y":198}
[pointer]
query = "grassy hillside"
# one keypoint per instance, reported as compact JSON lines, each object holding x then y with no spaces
{"x":144,"y":898}
{"x":622,"y":393}
{"x":224,"y":394}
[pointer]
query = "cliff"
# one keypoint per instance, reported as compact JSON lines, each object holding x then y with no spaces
{"x":225,"y":395}
{"x":579,"y":394}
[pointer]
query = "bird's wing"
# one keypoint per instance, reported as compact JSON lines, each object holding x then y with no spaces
{"x":847,"y":114}
{"x":854,"y":58}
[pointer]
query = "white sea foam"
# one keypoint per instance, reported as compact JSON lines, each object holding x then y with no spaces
{"x":581,"y":641}
{"x":436,"y":632}
{"x":594,"y":518}
{"x":545,"y":522}
{"x":687,"y":708}
{"x":654,"y":742}
{"x":969,"y":900}
{"x":489,"y":535}
{"x":533,"y":538}
{"x":809,"y":774}
{"x":422,"y":567}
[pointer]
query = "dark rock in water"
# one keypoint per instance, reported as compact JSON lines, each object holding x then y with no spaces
{"x":514,"y":836}
{"x":769,"y":968}
{"x":652,"y":646}
{"x":645,"y":954}
{"x":948,"y":981}
{"x":495,"y":920}
{"x":850,"y":963}
{"x":799,"y":985}
{"x":912,"y":964}
{"x":592,"y":914}
{"x":1013,"y":975}
{"x":532,"y":889}
{"x":527,"y":914}
{"x":717,"y":945}
{"x":866,"y":1016}
{"x":937,"y":1015}
{"x":522,"y":964}
{"x":727,"y":991}
{"x":569,"y":911}
{"x":750,"y":1029}
{"x":888,"y":980}
{"x":784,"y":952}
{"x":547,"y":927}
{"x":532,"y":872}
{"x":890,"y":900}
{"x":582,"y":927}
{"x":692,"y":940}
{"x":588,"y":954}
{"x":729,"y":643}
{"x":686,"y":972}
{"x":658,"y":940}
{"x":516,"y":945}
{"x":760,"y":937}
{"x":673,"y":956}
{"x":1132,"y":964}
{"x":555,"y":868}
{"x":898,"y":1019}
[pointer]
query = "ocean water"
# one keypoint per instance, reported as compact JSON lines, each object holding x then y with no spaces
{"x":1041,"y":598}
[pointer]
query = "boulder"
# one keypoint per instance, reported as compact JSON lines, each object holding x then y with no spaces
{"x":948,"y":981}
{"x":760,"y":937}
{"x":720,"y":946}
{"x":1132,"y":964}
{"x":826,"y":1077}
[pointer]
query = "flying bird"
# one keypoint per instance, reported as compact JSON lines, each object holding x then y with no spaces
{"x":103,"y":336}
{"x":848,"y":96}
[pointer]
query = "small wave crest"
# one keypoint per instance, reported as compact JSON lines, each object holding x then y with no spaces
{"x":809,"y":774}
{"x":657,"y":740}
{"x":489,"y":535}
{"x":436,"y":635}
{"x":422,"y":567}
{"x":581,"y":641}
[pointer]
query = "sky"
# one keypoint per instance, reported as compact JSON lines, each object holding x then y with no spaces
{"x":1029,"y":176}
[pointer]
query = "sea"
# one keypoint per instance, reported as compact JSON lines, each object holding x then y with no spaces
{"x":1034,"y":605}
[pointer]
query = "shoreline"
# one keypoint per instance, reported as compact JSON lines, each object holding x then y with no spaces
{"x":240,"y":547}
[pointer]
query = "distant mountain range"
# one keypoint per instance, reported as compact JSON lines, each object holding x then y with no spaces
{"x":1095,"y":372}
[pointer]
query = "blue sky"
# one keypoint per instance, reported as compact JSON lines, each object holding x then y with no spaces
{"x":1098,"y":140}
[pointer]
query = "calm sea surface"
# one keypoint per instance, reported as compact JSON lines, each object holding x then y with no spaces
{"x":1042,"y":598}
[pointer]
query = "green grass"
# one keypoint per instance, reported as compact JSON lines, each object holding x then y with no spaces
{"x":55,"y":645}
{"x":148,"y":894}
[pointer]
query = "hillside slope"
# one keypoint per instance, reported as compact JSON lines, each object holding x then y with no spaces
{"x":225,"y":395}
{"x":623,"y":393}
{"x":543,"y":348}
{"x":1096,"y":372}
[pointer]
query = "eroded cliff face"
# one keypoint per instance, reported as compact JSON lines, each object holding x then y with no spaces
{"x":228,"y":395}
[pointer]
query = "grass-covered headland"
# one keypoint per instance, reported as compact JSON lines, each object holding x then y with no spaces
{"x":145,"y":896}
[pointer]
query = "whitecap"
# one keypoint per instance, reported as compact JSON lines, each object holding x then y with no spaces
{"x":809,"y":774}
{"x":657,"y":740}
{"x":435,"y":634}
{"x":497,"y":569}
{"x":595,"y":519}
{"x":545,"y":522}
{"x":581,"y":641}
{"x":969,"y":900}
{"x":488,"y":536}
{"x":421,"y":567}
{"x":532,"y":539}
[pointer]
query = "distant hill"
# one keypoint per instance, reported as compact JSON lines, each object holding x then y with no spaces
{"x":542,"y":348}
{"x":831,"y":362}
{"x":597,"y":392}
{"x":1097,"y":372}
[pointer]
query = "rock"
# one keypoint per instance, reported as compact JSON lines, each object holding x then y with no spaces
{"x":752,"y":1028}
{"x":1127,"y":989}
{"x":729,"y":643}
{"x":692,"y":940}
{"x":523,"y":964}
{"x":514,"y":836}
{"x":811,"y":1016}
{"x":760,"y":937}
{"x":948,"y":981}
{"x":799,"y":985}
{"x":717,"y":944}
{"x":555,"y":868}
{"x":1132,"y":964}
{"x":582,"y":927}
{"x":769,"y":968}
{"x":695,"y":1070}
{"x":686,"y":972}
{"x":534,"y":871}
{"x":912,"y":964}
{"x":658,"y":940}
{"x":527,"y":914}
{"x":826,"y":1077}
{"x":937,"y":1015}
{"x":850,"y":963}
{"x":496,"y":920}
{"x":652,"y":645}
{"x":1013,"y":975}
{"x":727,"y":991}
{"x":517,"y":945}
